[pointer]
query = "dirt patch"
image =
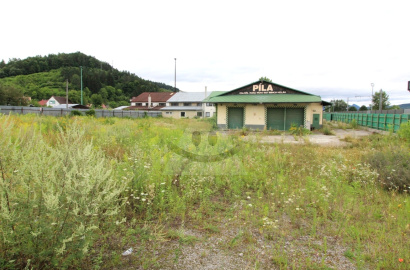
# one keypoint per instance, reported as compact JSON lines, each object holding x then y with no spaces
{"x":233,"y":248}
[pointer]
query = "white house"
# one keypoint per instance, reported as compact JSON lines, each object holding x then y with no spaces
{"x":188,"y":105}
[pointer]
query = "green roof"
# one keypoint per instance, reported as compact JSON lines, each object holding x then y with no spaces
{"x":266,"y":98}
{"x":213,"y":94}
{"x":268,"y":83}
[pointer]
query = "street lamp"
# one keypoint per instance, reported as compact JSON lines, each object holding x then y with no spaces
{"x":175,"y":76}
{"x":371,"y":100}
{"x":81,"y":67}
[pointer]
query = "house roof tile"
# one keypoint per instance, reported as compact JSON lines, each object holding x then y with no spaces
{"x":155,"y":97}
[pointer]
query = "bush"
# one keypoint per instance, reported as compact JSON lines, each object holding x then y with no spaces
{"x":53,"y":197}
{"x":393,"y":168}
{"x":299,"y":131}
{"x":404,"y":131}
{"x":353,"y":124}
{"x":75,"y":113}
{"x":90,"y":112}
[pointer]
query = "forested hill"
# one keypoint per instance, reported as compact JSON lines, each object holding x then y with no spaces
{"x":40,"y":77}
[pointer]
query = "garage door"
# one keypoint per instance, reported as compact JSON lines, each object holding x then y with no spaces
{"x":275,"y":118}
{"x":294,"y":116}
{"x":283,"y":118}
{"x":235,"y":118}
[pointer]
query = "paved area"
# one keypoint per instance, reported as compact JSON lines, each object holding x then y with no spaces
{"x":338,"y":139}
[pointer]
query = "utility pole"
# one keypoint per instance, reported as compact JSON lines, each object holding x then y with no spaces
{"x":175,"y":76}
{"x":81,"y":67}
{"x":371,"y":100}
{"x":66,"y":94}
{"x":380,"y":101}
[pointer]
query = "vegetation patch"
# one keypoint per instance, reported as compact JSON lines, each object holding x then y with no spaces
{"x":78,"y":192}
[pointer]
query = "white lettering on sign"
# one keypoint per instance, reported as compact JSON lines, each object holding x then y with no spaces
{"x":261,"y":88}
{"x":258,"y":89}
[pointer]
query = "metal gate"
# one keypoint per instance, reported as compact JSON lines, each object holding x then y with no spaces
{"x":283,"y":118}
{"x":275,"y":118}
{"x":235,"y":118}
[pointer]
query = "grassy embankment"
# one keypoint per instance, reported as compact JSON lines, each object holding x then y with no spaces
{"x":77,"y":192}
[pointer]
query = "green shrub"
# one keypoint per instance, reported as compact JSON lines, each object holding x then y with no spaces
{"x":53,"y":198}
{"x":75,"y":113}
{"x":90,"y":112}
{"x":404,"y":131}
{"x":353,"y":124}
{"x":327,"y":130}
{"x":393,"y":168}
{"x":298,"y":130}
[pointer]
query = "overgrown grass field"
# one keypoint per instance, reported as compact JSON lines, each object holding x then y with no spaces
{"x":75,"y":193}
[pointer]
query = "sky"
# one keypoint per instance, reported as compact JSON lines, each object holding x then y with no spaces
{"x":334,"y":49}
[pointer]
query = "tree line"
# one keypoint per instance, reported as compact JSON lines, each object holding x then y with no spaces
{"x":339,"y":105}
{"x":40,"y":77}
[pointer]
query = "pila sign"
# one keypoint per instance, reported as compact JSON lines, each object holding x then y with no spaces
{"x":261,"y":88}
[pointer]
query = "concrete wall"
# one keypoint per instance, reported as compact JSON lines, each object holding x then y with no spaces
{"x":314,"y":108}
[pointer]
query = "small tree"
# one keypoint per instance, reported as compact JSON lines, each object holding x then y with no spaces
{"x":265,"y":79}
{"x":376,"y":101}
{"x":352,"y":109}
{"x":363,"y":108}
{"x":339,"y":105}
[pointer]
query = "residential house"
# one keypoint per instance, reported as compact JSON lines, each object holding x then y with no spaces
{"x":150,"y":101}
{"x":55,"y":101}
{"x":188,"y":105}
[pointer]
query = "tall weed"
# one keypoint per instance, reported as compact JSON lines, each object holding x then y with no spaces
{"x":54,"y":198}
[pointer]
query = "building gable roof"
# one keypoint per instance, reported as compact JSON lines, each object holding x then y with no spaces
{"x":61,"y":100}
{"x":274,"y":86}
{"x":264,"y":92}
{"x":189,"y":97}
{"x":155,"y":97}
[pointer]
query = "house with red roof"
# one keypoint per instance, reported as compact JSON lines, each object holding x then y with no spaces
{"x":43,"y":102}
{"x":150,"y":101}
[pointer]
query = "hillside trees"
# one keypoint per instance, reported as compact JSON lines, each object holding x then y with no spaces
{"x":43,"y":76}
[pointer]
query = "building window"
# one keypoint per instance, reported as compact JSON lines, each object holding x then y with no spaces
{"x":187,"y":104}
{"x":208,"y":114}
{"x":199,"y":114}
{"x":138,"y":104}
{"x":52,"y":102}
{"x":168,"y":112}
{"x":209,"y":104}
{"x":182,"y":114}
{"x":174,"y":104}
{"x":161,"y":104}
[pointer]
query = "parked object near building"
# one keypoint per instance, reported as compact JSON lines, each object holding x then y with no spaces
{"x":188,"y":105}
{"x":267,"y":105}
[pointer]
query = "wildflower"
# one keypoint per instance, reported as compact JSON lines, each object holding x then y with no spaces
{"x":250,"y":205}
{"x":401,"y":260}
{"x":248,"y":197}
{"x":399,"y":205}
{"x":163,"y":183}
{"x":143,"y":199}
